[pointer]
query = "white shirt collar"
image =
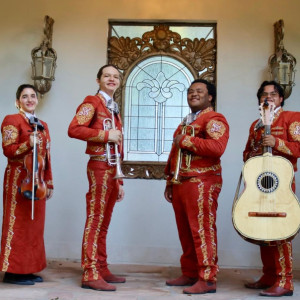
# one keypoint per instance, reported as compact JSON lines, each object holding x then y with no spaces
{"x":27,"y":114}
{"x":277,"y":109}
{"x":106,"y":97}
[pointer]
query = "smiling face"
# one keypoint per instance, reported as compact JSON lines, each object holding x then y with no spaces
{"x":272,"y":95}
{"x":198,"y":97}
{"x":109,"y":80}
{"x":28,"y":100}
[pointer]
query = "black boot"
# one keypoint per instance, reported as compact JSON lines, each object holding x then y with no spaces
{"x":17,"y":279}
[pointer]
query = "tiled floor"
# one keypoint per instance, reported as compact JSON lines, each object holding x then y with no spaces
{"x":63,"y":279}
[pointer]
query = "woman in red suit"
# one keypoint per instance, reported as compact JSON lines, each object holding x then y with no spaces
{"x":104,"y":190}
{"x":22,"y":242}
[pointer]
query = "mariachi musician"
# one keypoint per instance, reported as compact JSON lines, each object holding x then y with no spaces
{"x":284,"y":141}
{"x":98,"y":122}
{"x":22,"y":242}
{"x":194,"y":182}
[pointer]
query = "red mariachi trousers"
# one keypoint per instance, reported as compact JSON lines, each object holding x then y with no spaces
{"x":100,"y":201}
{"x":278,"y":263}
{"x":195,"y":203}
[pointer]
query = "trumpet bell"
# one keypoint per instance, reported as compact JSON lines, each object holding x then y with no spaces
{"x":119,"y":173}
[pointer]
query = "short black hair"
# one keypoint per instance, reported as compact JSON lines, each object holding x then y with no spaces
{"x":278,"y":88}
{"x":211,"y":88}
{"x":25,"y":86}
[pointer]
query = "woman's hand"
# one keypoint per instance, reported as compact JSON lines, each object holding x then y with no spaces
{"x":31,"y":139}
{"x":49,"y":194}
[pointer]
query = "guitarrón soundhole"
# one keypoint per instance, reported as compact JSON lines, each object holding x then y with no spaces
{"x":267,"y":182}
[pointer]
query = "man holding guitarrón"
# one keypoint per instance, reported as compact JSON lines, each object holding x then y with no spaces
{"x":284,"y":141}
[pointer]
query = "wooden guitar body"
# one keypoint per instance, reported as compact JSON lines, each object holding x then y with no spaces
{"x":267,"y":210}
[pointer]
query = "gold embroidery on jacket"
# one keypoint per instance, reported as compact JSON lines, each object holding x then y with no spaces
{"x":204,"y":169}
{"x":85,"y":113}
{"x":99,"y":138}
{"x":215,"y":129}
{"x":278,"y":130}
{"x":9,"y":135}
{"x":102,"y":115}
{"x":283,"y":148}
{"x":49,"y":182}
{"x":295,"y":131}
{"x":186,"y":142}
{"x":23,"y":148}
{"x":96,"y":149}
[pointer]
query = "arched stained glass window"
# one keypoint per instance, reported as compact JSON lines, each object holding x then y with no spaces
{"x":155,"y":103}
{"x":158,"y":62}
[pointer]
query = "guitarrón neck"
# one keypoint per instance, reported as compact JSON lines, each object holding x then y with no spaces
{"x":267,"y":132}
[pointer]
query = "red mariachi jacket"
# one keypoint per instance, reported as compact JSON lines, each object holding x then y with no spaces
{"x":15,"y":143}
{"x":286,"y":130}
{"x":87,"y":125}
{"x":211,"y":133}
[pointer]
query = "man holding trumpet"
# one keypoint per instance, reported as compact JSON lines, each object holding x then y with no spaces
{"x":98,"y":122}
{"x":194,"y":182}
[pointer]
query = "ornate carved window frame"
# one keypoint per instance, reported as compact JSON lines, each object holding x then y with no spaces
{"x":125,"y":53}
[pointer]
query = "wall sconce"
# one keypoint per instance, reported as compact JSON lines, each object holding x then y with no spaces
{"x":282,"y":64}
{"x":44,"y":60}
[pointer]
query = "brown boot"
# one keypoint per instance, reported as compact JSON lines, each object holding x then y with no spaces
{"x":257,"y":285}
{"x":111,"y":278}
{"x":201,"y":287}
{"x":181,"y":281}
{"x":276,"y":291}
{"x":98,"y":285}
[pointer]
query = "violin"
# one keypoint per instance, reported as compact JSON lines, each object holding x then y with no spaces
{"x":33,"y":186}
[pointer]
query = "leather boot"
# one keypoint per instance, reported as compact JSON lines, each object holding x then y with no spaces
{"x":276,"y":291}
{"x":17,"y":279}
{"x":34,"y":278}
{"x":111,"y":278}
{"x":98,"y":285}
{"x":181,"y":281}
{"x":201,"y":287}
{"x":257,"y":285}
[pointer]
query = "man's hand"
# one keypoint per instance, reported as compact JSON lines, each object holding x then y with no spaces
{"x":168,"y":193}
{"x":177,"y":140}
{"x":121,"y":193}
{"x":268,"y":141}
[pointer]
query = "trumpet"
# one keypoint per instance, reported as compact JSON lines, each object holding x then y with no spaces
{"x":113,"y":159}
{"x":175,"y":179}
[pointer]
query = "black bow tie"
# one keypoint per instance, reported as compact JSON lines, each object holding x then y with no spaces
{"x":113,"y":106}
{"x":35,"y":121}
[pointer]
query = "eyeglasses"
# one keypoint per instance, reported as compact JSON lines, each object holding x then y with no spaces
{"x":272,"y":94}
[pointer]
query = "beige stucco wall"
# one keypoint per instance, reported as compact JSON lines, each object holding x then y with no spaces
{"x":143,"y":229}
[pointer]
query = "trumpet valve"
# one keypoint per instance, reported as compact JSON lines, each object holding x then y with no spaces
{"x":175,"y":180}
